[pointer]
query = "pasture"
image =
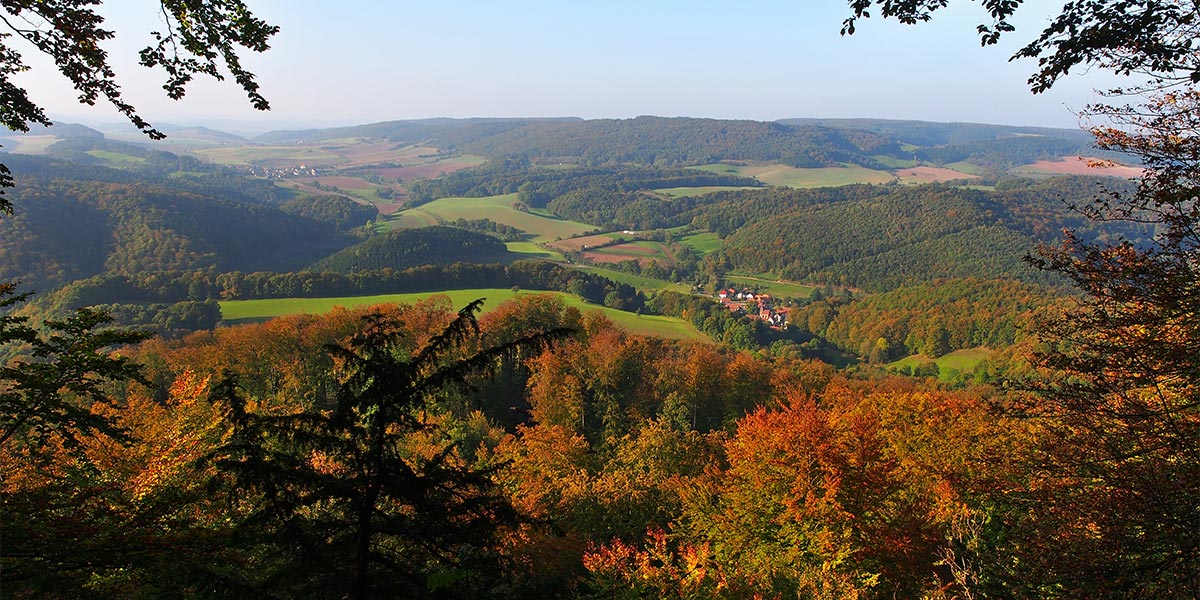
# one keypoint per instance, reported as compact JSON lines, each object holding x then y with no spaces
{"x":577,"y":244}
{"x":429,"y":168}
{"x":786,"y":176}
{"x":684,"y":192}
{"x":532,"y":250}
{"x":500,"y":210}
{"x":777,"y":288}
{"x":29,"y":144}
{"x":117,"y":158}
{"x":703,"y":242}
{"x":233,"y":311}
{"x":959,"y":361}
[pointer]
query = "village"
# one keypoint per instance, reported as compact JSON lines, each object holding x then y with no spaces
{"x":754,"y":305}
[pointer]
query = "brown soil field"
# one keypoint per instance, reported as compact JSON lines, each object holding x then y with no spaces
{"x":428,"y":171}
{"x":599,"y":258}
{"x":629,"y":249}
{"x":931,"y":175}
{"x":1079,"y":165}
{"x":577,"y":244}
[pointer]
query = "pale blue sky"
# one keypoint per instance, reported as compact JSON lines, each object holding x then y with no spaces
{"x":358,"y":61}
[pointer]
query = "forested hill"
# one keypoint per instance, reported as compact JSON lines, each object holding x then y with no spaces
{"x":929,"y":133}
{"x":878,"y":239}
{"x":415,"y":247}
{"x":452,"y":132}
{"x":66,"y":229}
{"x":643,"y":140}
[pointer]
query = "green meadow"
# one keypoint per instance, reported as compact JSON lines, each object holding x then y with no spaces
{"x":786,"y":176}
{"x":532,"y":250}
{"x":703,"y":242}
{"x":117,"y":158}
{"x":775,"y":288}
{"x":961,"y":361}
{"x":682,"y":192}
{"x":500,"y":210}
{"x":234,"y":311}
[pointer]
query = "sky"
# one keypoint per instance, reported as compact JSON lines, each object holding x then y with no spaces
{"x":360,"y":61}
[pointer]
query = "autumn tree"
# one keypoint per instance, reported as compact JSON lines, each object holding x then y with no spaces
{"x":1125,"y":401}
{"x":349,"y":500}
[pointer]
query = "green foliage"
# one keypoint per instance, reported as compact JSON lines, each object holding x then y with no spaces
{"x":931,"y":318}
{"x":73,"y":229}
{"x":340,"y":212}
{"x":877,"y":239}
{"x":59,"y":392}
{"x":408,"y":248}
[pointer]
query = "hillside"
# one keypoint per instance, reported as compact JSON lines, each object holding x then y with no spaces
{"x":415,"y":247}
{"x":70,"y":229}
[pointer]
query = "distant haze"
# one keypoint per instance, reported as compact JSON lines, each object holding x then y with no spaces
{"x":374,"y":61}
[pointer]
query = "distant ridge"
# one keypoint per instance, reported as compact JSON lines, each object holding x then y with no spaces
{"x":933,"y":133}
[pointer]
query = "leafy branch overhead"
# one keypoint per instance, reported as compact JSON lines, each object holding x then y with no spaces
{"x":200,"y":38}
{"x":1147,"y":38}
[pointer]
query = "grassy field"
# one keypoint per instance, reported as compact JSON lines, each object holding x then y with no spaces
{"x":29,"y":144}
{"x":962,"y":361}
{"x":278,"y":156}
{"x":532,"y":250}
{"x":775,"y":288}
{"x":703,"y":242}
{"x":117,"y":158}
{"x":785,"y":176}
{"x":248,"y":310}
{"x":893,"y":162}
{"x":681,"y":192}
{"x":963,"y":166}
{"x":500,"y":210}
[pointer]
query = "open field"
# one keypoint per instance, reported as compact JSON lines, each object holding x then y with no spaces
{"x":917,"y":175}
{"x":778,"y":288}
{"x":963,"y":166}
{"x":682,"y":192}
{"x":532,"y":250}
{"x":587,"y":241}
{"x":1078,"y":165}
{"x":273,"y":156}
{"x":962,"y":361}
{"x":408,"y":219}
{"x":785,"y":176}
{"x":117,"y":158}
{"x":28,"y":144}
{"x":644,"y":251}
{"x":429,"y":170}
{"x":500,"y":210}
{"x":237,"y":310}
{"x":703,"y":242}
{"x":893,"y":162}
